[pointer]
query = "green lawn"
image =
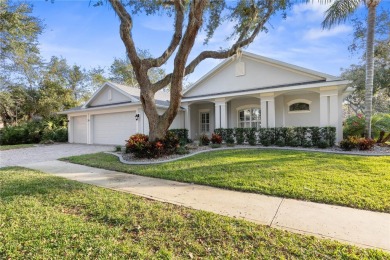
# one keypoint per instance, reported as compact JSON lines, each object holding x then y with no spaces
{"x":356,"y":181}
{"x":15,"y":146}
{"x":47,"y":217}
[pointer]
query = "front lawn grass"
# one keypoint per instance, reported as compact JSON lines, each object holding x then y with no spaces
{"x":47,"y":217}
{"x":356,"y":181}
{"x":15,"y":146}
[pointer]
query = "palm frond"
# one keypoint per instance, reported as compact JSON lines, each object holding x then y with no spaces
{"x":339,"y":11}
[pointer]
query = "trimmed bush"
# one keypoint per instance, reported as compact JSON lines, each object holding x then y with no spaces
{"x":216,"y":139}
{"x":240,"y":135}
{"x":349,"y":143}
{"x":182,"y":135}
{"x":204,"y":140}
{"x":365,"y":144}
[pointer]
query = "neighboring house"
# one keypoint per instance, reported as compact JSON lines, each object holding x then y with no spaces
{"x":248,"y":91}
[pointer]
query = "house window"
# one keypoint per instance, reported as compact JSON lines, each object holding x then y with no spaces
{"x":204,"y":122}
{"x":248,"y":118}
{"x":299,"y":106}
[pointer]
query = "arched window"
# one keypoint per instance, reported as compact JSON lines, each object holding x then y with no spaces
{"x":249,"y":117}
{"x":299,"y":106}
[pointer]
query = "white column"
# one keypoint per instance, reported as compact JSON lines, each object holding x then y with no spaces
{"x":187,"y":118}
{"x":70,"y":129}
{"x":220,"y":113}
{"x":89,"y":129}
{"x":267,"y":102}
{"x":330,"y":110}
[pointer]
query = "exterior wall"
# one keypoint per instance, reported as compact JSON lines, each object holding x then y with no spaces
{"x":195,"y":119}
{"x":103,"y":97}
{"x":257,"y":74}
{"x":311,"y":118}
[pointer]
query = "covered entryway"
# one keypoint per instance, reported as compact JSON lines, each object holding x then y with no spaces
{"x":113,"y":128}
{"x":79,"y":129}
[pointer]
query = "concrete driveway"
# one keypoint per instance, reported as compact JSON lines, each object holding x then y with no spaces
{"x":43,"y":153}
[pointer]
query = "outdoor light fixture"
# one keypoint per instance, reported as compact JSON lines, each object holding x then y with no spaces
{"x":136,"y":117}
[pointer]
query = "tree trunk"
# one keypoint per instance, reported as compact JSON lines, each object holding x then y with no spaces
{"x":369,"y":66}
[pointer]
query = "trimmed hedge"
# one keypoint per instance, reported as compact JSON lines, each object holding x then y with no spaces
{"x":282,"y":136}
{"x":182,"y":134}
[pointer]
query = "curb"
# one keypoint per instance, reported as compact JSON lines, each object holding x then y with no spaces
{"x":238,"y":148}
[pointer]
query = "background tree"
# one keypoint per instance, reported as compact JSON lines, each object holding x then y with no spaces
{"x":249,"y":18}
{"x":338,"y":12}
{"x":19,"y":53}
{"x":357,"y":72}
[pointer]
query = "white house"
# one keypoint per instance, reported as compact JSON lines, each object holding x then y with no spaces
{"x":249,"y":91}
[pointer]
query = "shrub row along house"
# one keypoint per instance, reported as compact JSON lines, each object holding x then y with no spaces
{"x":246,"y":91}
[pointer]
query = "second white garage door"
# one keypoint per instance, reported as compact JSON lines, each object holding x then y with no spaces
{"x":113,"y":128}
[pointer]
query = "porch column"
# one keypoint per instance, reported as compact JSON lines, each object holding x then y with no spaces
{"x":220,"y":113}
{"x":187,"y":118}
{"x":89,"y":129}
{"x":330,"y":109}
{"x":267,"y":103}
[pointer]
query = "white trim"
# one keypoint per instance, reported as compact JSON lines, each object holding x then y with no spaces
{"x":204,"y":111}
{"x":299,"y":100}
{"x":109,"y":84}
{"x":259,"y":58}
{"x":260,"y":91}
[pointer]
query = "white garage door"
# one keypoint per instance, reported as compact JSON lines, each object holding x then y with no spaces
{"x":80,"y":129}
{"x":113,"y":128}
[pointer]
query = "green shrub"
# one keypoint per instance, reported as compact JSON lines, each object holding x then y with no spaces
{"x":294,"y":143}
{"x":323,"y":144}
{"x":240,"y":135}
{"x":280,"y":142}
{"x":349,"y":143}
{"x":315,"y":135}
{"x":170,"y":143}
{"x":216,"y":139}
{"x":230,"y":140}
{"x":61,"y":134}
{"x":250,"y":135}
{"x":266,"y":136}
{"x":182,"y":150}
{"x":307,"y":144}
{"x":354,"y":126}
{"x":204,"y":140}
{"x":328,"y":134}
{"x":365,"y":144}
{"x":182,"y":135}
{"x":215,"y":146}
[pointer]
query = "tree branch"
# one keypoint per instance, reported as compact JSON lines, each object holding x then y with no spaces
{"x":125,"y":32}
{"x":176,"y":38}
{"x":220,"y":54}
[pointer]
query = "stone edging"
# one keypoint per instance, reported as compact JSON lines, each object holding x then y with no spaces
{"x":236,"y":148}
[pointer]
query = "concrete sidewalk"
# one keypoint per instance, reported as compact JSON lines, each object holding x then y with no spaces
{"x":359,"y":227}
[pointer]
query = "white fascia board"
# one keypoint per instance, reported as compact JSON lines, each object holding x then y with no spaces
{"x":259,"y":91}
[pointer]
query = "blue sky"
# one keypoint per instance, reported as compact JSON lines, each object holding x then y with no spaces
{"x":89,"y":36}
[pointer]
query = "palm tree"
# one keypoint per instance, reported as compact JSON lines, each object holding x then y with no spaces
{"x":337,"y":13}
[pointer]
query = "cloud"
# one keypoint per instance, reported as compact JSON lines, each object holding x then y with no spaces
{"x":316,"y":33}
{"x":309,"y":12}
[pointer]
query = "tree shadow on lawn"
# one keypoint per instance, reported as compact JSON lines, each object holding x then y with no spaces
{"x":13,"y":184}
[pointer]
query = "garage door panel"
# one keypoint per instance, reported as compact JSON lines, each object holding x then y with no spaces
{"x":80,"y":129}
{"x":113,"y":128}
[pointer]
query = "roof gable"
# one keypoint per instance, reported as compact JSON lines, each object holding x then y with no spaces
{"x":255,"y":72}
{"x":108,"y":94}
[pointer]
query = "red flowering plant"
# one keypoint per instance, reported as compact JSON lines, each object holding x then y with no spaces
{"x":354,"y":125}
{"x":216,"y":139}
{"x":136,"y":143}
